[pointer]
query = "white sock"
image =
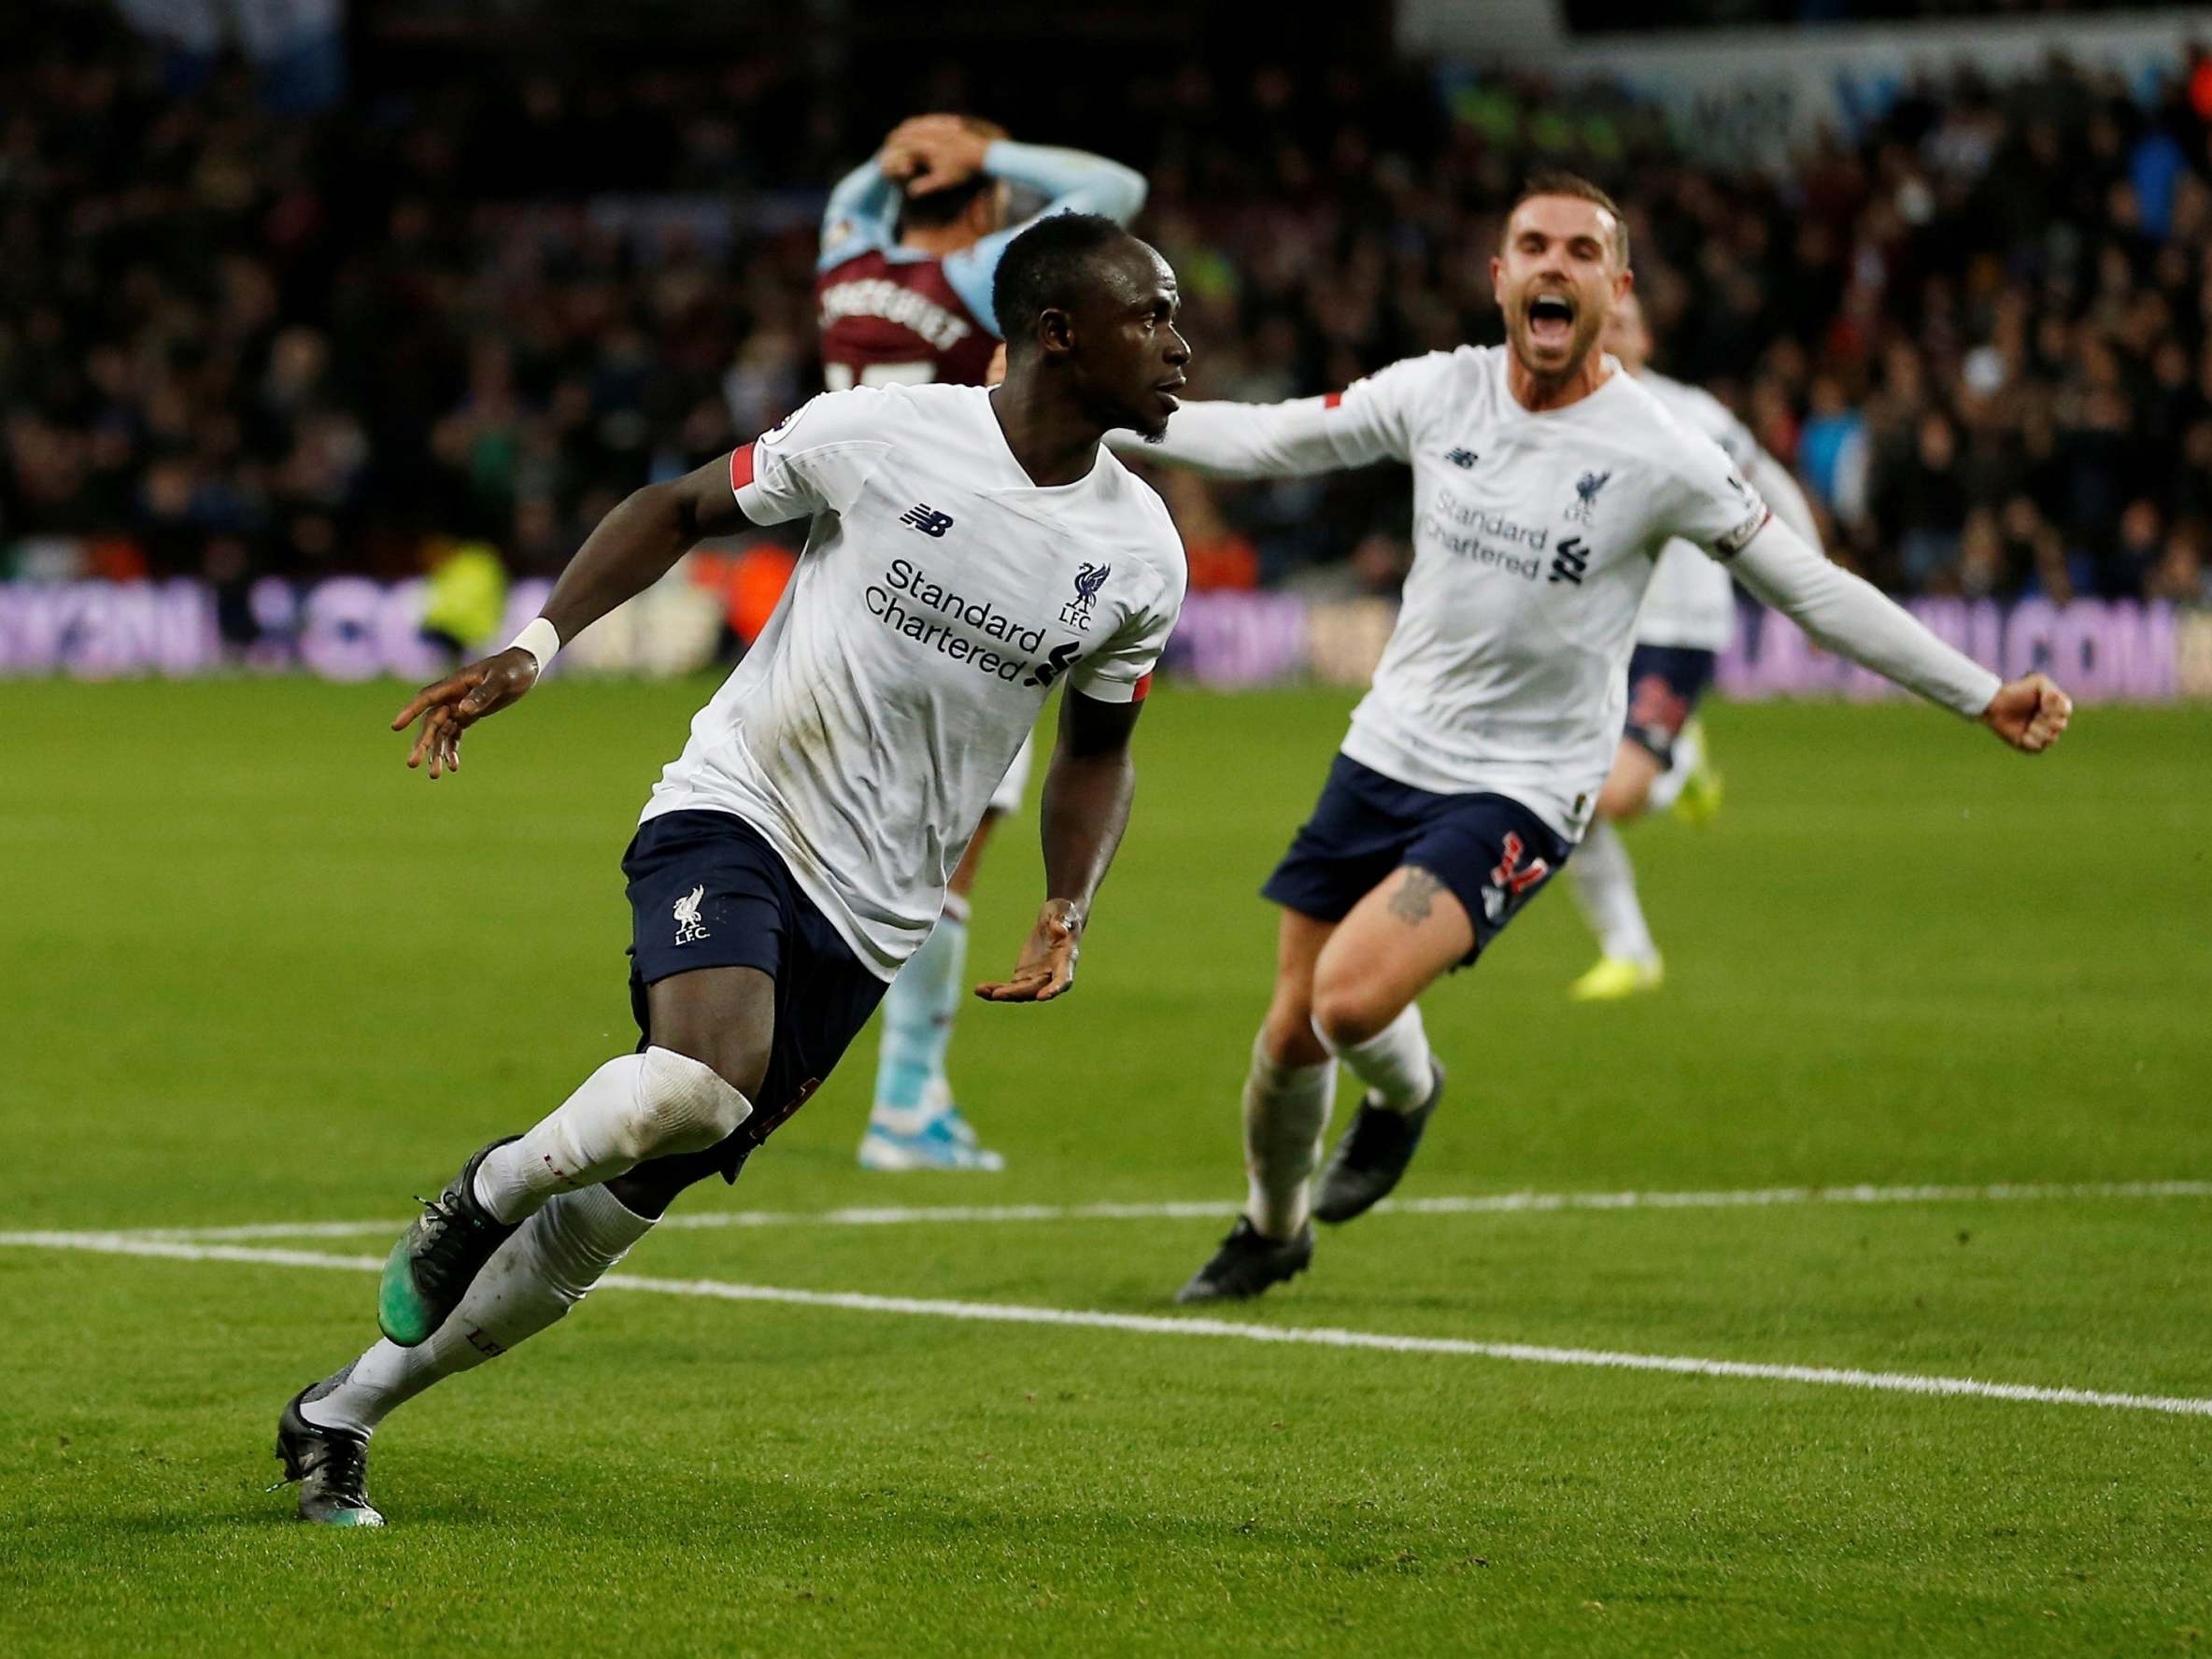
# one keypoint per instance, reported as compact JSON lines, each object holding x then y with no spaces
{"x":917,"y":1026}
{"x":1604,"y":885}
{"x":529,"y":1283}
{"x":634,"y":1107}
{"x":1689,"y":754}
{"x":1394,"y":1063}
{"x":1287,"y":1110}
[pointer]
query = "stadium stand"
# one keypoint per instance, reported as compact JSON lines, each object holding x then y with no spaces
{"x":237,"y":343}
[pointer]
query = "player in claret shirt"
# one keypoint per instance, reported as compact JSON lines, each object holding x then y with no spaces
{"x":967,"y":550}
{"x":911,"y":243}
{"x":912,"y":240}
{"x":1546,"y":482}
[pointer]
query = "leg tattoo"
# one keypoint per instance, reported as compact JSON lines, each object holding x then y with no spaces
{"x":1415,"y":897}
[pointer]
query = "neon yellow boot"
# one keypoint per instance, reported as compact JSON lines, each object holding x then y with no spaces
{"x":1615,"y":977}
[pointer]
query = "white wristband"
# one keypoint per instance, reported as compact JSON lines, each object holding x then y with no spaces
{"x":540,"y":639}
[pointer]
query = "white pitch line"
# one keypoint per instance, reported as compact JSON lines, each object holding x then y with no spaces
{"x":1512,"y":1204}
{"x":1154,"y":1325}
{"x":178,"y":1250}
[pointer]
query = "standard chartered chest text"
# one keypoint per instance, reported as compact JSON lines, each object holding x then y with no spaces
{"x":1023,"y":639}
{"x":1542,"y":548}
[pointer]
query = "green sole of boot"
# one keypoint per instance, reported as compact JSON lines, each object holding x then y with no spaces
{"x":400,"y":1314}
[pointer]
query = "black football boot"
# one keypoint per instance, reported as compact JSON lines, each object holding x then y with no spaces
{"x":1247,"y":1262}
{"x":438,"y":1257}
{"x":1373,"y":1155}
{"x":331,"y":1466}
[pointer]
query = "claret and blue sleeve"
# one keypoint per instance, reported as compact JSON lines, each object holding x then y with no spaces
{"x":862,"y":213}
{"x":1070,"y":181}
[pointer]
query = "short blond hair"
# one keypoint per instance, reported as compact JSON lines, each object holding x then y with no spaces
{"x":1558,"y":181}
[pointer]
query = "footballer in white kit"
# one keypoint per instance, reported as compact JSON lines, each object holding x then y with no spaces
{"x":1687,"y":620}
{"x":1546,"y":481}
{"x":941,"y":599}
{"x":970,"y":551}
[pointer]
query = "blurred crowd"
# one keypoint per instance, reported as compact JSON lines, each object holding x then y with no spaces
{"x":1616,"y":15}
{"x":1981,"y":333}
{"x":235,"y":343}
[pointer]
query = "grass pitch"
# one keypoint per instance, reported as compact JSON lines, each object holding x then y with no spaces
{"x":252,"y":972}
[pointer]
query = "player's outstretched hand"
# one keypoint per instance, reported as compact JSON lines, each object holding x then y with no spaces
{"x":2029,"y":712}
{"x":458,"y":702}
{"x":1047,"y":968}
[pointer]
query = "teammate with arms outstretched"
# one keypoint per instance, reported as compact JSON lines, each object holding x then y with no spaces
{"x":796,"y":852}
{"x":911,"y":243}
{"x":1545,"y":482}
{"x":1687,"y":620}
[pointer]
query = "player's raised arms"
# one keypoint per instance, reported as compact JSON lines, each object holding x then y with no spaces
{"x":1386,"y":416}
{"x":1848,"y":616}
{"x":930,"y":155}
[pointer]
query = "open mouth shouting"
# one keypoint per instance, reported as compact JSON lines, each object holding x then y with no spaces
{"x":1551,"y":318}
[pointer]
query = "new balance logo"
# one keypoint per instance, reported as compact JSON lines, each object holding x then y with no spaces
{"x":686,"y":914}
{"x":1570,"y":561}
{"x":1462,"y":457}
{"x":927,"y":520}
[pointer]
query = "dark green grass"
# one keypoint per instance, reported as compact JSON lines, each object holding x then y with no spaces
{"x":250,"y":969}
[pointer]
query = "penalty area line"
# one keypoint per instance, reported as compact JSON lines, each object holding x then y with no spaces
{"x":1509,"y":1203}
{"x":1162,"y":1326}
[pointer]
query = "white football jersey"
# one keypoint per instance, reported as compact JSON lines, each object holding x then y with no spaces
{"x":940,"y":597}
{"x":1533,"y":536}
{"x":1691,"y":600}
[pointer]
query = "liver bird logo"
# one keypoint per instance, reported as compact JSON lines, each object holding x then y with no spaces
{"x":1076,"y":613}
{"x":686,"y":914}
{"x":1586,"y":488}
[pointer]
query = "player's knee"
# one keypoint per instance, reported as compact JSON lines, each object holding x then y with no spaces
{"x":1286,"y":1035}
{"x":1347,"y":1012}
{"x":682,"y":1105}
{"x":1623,"y":797}
{"x":1291,"y":1044}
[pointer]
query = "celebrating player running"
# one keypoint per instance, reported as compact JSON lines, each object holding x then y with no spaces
{"x":967,"y":550}
{"x":1545,"y":481}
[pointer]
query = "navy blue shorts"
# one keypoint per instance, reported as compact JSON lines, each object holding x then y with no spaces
{"x":1665,"y":683}
{"x":1492,"y":852}
{"x":707,"y":891}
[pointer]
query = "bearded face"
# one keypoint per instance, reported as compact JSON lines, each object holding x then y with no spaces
{"x":1557,"y":279}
